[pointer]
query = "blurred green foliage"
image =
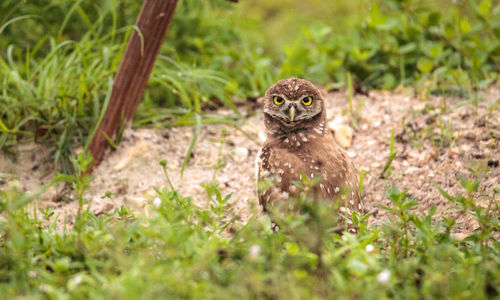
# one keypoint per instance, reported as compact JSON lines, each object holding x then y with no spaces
{"x":58,"y":58}
{"x":407,"y":43}
{"x":182,"y":251}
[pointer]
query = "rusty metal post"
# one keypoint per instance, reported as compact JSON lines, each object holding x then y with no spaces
{"x":134,"y":71}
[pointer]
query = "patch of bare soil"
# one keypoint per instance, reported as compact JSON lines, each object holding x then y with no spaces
{"x":434,"y":147}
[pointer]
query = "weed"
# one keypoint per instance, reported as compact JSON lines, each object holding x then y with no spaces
{"x":182,"y":250}
{"x":386,"y":171}
{"x":354,"y":112}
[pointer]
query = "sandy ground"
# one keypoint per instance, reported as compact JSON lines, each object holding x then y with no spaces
{"x":431,"y":149}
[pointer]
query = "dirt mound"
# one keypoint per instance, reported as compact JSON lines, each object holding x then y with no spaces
{"x":436,"y":141}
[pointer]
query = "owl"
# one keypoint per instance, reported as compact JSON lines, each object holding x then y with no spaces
{"x":298,"y":142}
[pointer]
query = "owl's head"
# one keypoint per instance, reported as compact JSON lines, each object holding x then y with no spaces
{"x":292,"y":104}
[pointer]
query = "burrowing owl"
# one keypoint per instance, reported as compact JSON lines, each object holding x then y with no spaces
{"x":299,"y":142}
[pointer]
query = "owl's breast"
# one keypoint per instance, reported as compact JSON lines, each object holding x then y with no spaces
{"x":282,"y":166}
{"x":320,"y":161}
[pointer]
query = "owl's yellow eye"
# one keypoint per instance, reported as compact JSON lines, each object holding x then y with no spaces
{"x":278,"y":100}
{"x":307,"y":100}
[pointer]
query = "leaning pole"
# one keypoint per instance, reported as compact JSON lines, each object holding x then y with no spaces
{"x":133,"y":73}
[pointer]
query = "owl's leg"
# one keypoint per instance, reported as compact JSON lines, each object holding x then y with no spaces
{"x":346,"y":220}
{"x":273,"y":197}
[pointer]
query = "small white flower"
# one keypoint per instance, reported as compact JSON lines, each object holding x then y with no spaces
{"x":77,"y":279}
{"x":74,"y":282}
{"x":384,"y":276}
{"x":369,"y":248}
{"x":45,"y":287}
{"x":254,"y":251}
{"x":157,"y":202}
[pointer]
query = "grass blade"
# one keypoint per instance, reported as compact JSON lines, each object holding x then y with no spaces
{"x":193,"y":142}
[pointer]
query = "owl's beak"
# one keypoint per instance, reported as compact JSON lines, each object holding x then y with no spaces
{"x":292,"y":113}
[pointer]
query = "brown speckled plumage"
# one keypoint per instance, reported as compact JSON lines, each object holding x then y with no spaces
{"x":303,"y":146}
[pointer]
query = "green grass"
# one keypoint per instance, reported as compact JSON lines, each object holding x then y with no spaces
{"x":182,"y":251}
{"x":58,"y":59}
{"x":57,"y":63}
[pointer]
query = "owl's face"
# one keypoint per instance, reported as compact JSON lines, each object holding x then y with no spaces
{"x":293,"y":102}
